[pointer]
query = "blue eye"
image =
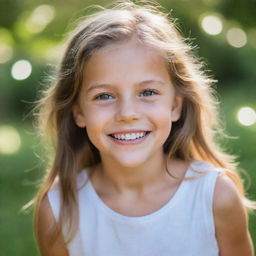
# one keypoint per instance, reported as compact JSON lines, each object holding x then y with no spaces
{"x":104,"y":96}
{"x":148,"y":92}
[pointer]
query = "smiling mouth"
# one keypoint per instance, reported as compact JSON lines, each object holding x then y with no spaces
{"x":129,"y":136}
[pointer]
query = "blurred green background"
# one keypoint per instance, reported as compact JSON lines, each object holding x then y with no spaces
{"x":32,"y":34}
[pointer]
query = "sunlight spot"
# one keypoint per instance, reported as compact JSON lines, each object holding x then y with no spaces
{"x":236,"y":37}
{"x":211,"y":24}
{"x":10,"y":141}
{"x":6,"y":53}
{"x":246,"y":116}
{"x":21,"y":70}
{"x":40,"y":18}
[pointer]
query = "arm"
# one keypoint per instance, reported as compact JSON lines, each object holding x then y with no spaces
{"x":44,"y":232}
{"x":231,"y":221}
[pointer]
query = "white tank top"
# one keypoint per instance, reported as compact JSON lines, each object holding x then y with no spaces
{"x":184,"y":226}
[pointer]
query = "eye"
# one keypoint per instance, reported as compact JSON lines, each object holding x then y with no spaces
{"x":103,"y":96}
{"x":148,"y":92}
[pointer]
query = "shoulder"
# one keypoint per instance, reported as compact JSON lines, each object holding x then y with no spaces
{"x":230,"y":217}
{"x":226,"y":195}
{"x":48,"y":234}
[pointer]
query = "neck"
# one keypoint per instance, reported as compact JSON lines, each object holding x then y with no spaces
{"x":138,"y":179}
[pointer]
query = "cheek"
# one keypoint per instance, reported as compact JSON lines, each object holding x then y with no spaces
{"x":96,"y":122}
{"x":162,"y":118}
{"x":161,"y":111}
{"x":94,"y":115}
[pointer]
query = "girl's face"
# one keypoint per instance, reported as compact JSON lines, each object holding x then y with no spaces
{"x":127,"y":103}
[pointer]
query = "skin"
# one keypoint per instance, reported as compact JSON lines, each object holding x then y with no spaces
{"x":46,"y":222}
{"x":231,"y":222}
{"x":133,"y":93}
{"x":115,"y":97}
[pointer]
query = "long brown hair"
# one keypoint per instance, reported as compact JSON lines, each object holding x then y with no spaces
{"x":192,"y":137}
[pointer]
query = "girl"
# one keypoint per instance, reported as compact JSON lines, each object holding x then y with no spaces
{"x":136,"y":170}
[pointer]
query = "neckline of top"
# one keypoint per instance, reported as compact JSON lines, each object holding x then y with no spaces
{"x":116,"y":215}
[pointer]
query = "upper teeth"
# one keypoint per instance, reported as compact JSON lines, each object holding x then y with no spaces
{"x":129,"y":136}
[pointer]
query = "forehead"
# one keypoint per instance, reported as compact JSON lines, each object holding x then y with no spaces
{"x":125,"y":62}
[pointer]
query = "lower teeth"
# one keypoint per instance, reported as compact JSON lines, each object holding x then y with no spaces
{"x":129,"y":139}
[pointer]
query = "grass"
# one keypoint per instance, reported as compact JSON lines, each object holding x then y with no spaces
{"x":18,"y":179}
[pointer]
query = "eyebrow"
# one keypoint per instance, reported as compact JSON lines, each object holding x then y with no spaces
{"x":96,"y":86}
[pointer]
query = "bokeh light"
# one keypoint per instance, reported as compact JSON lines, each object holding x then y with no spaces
{"x":211,"y":24}
{"x":10,"y":141}
{"x":21,"y":70}
{"x":6,"y":45}
{"x":40,"y":18}
{"x":236,"y":37}
{"x":6,"y":53}
{"x":246,"y":116}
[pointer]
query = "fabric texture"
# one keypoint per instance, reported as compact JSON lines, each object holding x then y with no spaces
{"x":184,"y":226}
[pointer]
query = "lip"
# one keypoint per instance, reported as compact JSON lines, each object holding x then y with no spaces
{"x":130,"y":142}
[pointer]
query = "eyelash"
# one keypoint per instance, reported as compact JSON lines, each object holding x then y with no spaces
{"x":102,"y":96}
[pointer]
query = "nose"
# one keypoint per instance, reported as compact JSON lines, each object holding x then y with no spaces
{"x":127,"y":110}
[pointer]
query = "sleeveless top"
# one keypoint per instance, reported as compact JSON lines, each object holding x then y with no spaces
{"x":184,"y":226}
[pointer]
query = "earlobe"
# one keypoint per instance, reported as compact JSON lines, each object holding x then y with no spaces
{"x":176,"y":108}
{"x":78,"y":116}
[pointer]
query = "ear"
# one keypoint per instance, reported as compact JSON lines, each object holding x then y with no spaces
{"x":78,"y":115}
{"x":176,"y":108}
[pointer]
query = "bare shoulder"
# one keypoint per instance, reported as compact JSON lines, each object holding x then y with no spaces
{"x":231,"y":222}
{"x":46,"y":228}
{"x":226,"y":195}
